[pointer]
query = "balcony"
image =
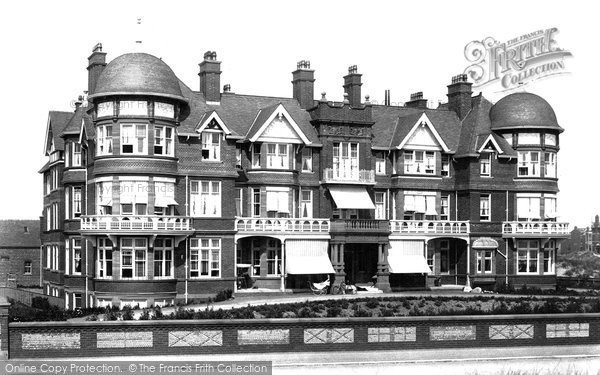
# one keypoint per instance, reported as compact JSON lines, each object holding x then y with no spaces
{"x":125,"y":224}
{"x":431,"y":227}
{"x":340,"y":176}
{"x":360,"y":226}
{"x":535,"y":229}
{"x":257,"y":225}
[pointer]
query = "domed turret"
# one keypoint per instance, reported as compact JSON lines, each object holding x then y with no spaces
{"x":138,"y":74}
{"x":521,"y":111}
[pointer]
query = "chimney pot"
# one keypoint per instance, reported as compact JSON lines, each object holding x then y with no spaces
{"x":459,"y":95}
{"x":323,"y":96}
{"x":96,"y":64}
{"x":210,"y":77}
{"x":303,"y":79}
{"x":227,"y":88}
{"x":352,"y":84}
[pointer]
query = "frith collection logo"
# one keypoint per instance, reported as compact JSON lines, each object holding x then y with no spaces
{"x":516,"y":62}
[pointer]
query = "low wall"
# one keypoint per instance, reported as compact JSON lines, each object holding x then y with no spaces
{"x":176,"y":337}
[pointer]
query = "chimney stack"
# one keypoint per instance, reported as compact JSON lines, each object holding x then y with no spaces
{"x":459,"y":95}
{"x":303,"y":84}
{"x":352,"y":86}
{"x":210,"y":77}
{"x":96,"y":64}
{"x":387,"y":100}
{"x":417,"y":101}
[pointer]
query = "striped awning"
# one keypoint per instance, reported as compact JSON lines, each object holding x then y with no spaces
{"x":351,"y":197}
{"x":307,"y":257}
{"x":407,"y":256}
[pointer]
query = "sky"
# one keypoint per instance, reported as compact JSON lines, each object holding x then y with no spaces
{"x":402,"y":46}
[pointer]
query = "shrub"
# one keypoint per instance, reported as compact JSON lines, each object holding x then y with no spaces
{"x":306,"y":312}
{"x":372,"y":304}
{"x":362,"y":313}
{"x":334,"y":311}
{"x":112,"y":315}
{"x":157,"y":313}
{"x":145,"y":315}
{"x":223,"y":295}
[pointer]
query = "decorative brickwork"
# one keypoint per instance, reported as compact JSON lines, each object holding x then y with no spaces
{"x":124,"y":340}
{"x":451,"y":333}
{"x":45,"y":341}
{"x":392,"y":334}
{"x":511,"y":331}
{"x":264,"y":336}
{"x":328,"y":335}
{"x":567,"y":330}
{"x":195,"y":338}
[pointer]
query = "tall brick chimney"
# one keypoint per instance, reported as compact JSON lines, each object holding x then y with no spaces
{"x":352,"y":86}
{"x":417,"y":101}
{"x":96,"y":64}
{"x":459,"y":95}
{"x":303,"y":84}
{"x":210,"y":77}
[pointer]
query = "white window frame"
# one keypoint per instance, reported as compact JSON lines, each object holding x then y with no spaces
{"x":205,"y":199}
{"x":529,"y":139}
{"x":76,"y":154}
{"x":550,"y":207}
{"x":273,"y":254}
{"x":306,"y":204}
{"x":256,"y":202}
{"x":105,"y":109}
{"x":134,"y":139}
{"x":27,"y":267}
{"x":165,"y":263}
{"x":256,"y":156}
{"x":105,"y":140}
{"x":550,"y":139}
{"x":133,"y":108}
{"x":76,"y":251}
{"x":550,"y":164}
{"x":76,"y":201}
{"x":239,"y":202}
{"x":346,"y":160}
{"x":163,"y":137}
{"x":211,"y":151}
{"x":445,"y":207}
{"x":485,"y":164}
{"x":419,"y":162}
{"x":380,"y":205}
{"x":278,"y":155}
{"x":525,"y":253}
{"x":380,"y":163}
{"x":549,"y":258}
{"x":137,"y":197}
{"x":307,"y":159}
{"x":445,"y":247}
{"x":485,"y":209}
{"x":526,"y":166}
{"x":445,"y":172}
{"x":104,"y":265}
{"x":205,"y":251}
{"x":103,"y":188}
{"x":165,"y":110}
{"x":133,"y":251}
{"x":278,"y":201}
{"x":529,"y":206}
{"x":482,"y":257}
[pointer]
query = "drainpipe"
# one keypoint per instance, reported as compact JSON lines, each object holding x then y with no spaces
{"x":455,"y":206}
{"x":87,"y":298}
{"x":506,"y":245}
{"x":283,"y":265}
{"x":41,"y":261}
{"x":186,"y":268}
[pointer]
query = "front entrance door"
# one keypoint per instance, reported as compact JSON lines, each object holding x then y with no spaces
{"x":360,"y":262}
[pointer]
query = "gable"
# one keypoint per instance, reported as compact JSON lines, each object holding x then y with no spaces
{"x":280,"y":130}
{"x":423,"y":136}
{"x":489,"y":145}
{"x":212,"y":122}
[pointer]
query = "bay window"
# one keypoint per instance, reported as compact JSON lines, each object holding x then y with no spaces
{"x":550,"y":164}
{"x":76,"y":202}
{"x":104,"y":258}
{"x":256,"y":155}
{"x":277,"y":156}
{"x":133,"y":139}
{"x":528,"y":139}
{"x":163,"y":258}
{"x":527,"y":261}
{"x":164,"y":110}
{"x":104,"y":139}
{"x":550,"y":207}
{"x":206,"y":198}
{"x":528,"y":206}
{"x":485,"y":164}
{"x":163,"y":140}
{"x":133,"y":108}
{"x":134,"y":197}
{"x":105,"y":109}
{"x":550,"y":139}
{"x":484,"y":207}
{"x":528,"y":164}
{"x":278,"y":202}
{"x":419,"y":206}
{"x":419,"y":162}
{"x":205,"y":257}
{"x":104,"y":198}
{"x":133,"y":258}
{"x":164,"y":197}
{"x":211,"y":146}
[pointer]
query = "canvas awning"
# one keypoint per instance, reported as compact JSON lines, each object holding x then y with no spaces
{"x":351,"y":197}
{"x":407,"y":256}
{"x":307,"y":257}
{"x":165,"y":202}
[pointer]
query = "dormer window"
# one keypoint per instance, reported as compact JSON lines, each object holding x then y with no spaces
{"x":419,"y":162}
{"x":485,"y":164}
{"x":380,"y":163}
{"x":211,"y":146}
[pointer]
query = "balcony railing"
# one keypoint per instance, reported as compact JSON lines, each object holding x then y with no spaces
{"x":535,"y":228}
{"x":360,"y":225}
{"x":256,"y":224}
{"x":125,"y":223}
{"x":354,"y":176}
{"x":434,"y":227}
